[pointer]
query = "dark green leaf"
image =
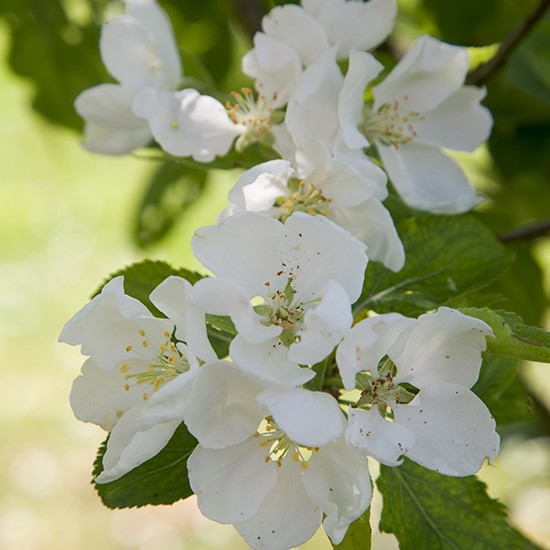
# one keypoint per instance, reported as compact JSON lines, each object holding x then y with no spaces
{"x":161,"y":480}
{"x":426,"y":510}
{"x":359,"y":534}
{"x":447,"y":258}
{"x":141,"y":278}
{"x":221,"y":332}
{"x":512,"y":337}
{"x":172,"y":189}
{"x":501,"y":389}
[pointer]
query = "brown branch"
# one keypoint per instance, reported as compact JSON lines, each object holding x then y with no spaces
{"x":508,"y":45}
{"x":526,"y":232}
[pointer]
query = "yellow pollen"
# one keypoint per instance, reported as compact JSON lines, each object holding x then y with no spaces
{"x":145,"y":343}
{"x":127,"y":387}
{"x":141,"y":332}
{"x":124,"y":367}
{"x":145,"y":397}
{"x":128,"y":348}
{"x":166,"y":334}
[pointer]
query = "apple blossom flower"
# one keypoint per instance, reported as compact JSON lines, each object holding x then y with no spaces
{"x":288,"y":288}
{"x":418,"y":403}
{"x":139,"y":50}
{"x":322,"y":184}
{"x":274,"y":484}
{"x":132,"y":356}
{"x":294,"y":37}
{"x":419,"y":108}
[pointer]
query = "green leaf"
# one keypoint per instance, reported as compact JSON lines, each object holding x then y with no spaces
{"x":172,"y":189}
{"x":424,"y":509}
{"x":447,"y":259}
{"x":501,"y":389}
{"x":358,"y":535}
{"x":221,"y":332}
{"x":141,"y":278}
{"x":512,"y":337}
{"x":161,"y":480}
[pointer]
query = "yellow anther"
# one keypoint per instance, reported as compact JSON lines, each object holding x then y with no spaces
{"x":145,"y":344}
{"x":304,"y":465}
{"x":141,"y":332}
{"x":295,"y":456}
{"x":128,"y":348}
{"x":124,"y":367}
{"x":145,"y":397}
{"x":127,"y":387}
{"x":166,"y":334}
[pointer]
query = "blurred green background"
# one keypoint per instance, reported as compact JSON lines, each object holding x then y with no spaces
{"x":69,"y":218}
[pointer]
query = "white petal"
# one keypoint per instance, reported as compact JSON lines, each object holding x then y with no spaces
{"x":111,"y":126}
{"x":371,"y":223}
{"x":222,"y":410}
{"x":258,"y":188}
{"x":366,"y":343}
{"x":308,"y":418}
{"x":454,"y":430}
{"x":268,"y":362}
{"x":338,"y":179}
{"x":374,"y":436}
{"x":338,"y":480}
{"x":128,"y":447}
{"x":223,"y":297}
{"x":136,"y":57}
{"x":443,"y":346}
{"x":243,"y":249}
{"x":428,"y":179}
{"x":99,"y":396}
{"x":316,"y":251}
{"x":156,"y":22}
{"x":115,"y":328}
{"x":299,"y":30}
{"x":460,"y":122}
{"x":357,"y":24}
{"x":187,"y":123}
{"x":275,"y":66}
{"x":324,"y":326}
{"x":287,"y":517}
{"x":231,"y":483}
{"x":169,"y":402}
{"x":428,"y":73}
{"x":363,"y":68}
{"x":172,"y":297}
{"x":312,"y":108}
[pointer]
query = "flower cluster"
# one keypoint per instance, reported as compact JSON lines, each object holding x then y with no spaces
{"x":280,"y":451}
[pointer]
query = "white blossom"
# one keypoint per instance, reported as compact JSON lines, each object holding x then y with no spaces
{"x":288,"y":288}
{"x":424,"y":384}
{"x":294,"y":37}
{"x":321,"y":184}
{"x":421,"y":107}
{"x":274,"y":484}
{"x":139,"y":50}
{"x":132,"y":356}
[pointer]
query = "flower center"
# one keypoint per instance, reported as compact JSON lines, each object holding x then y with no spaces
{"x":279,"y":446}
{"x":390,"y":123}
{"x":256,"y":115}
{"x":303,"y":198}
{"x":169,"y":363}
{"x":279,"y":309}
{"x":382,"y":391}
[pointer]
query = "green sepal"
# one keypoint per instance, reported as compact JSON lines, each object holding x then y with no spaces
{"x":512,"y":337}
{"x":424,"y":509}
{"x":161,"y":480}
{"x":221,"y":332}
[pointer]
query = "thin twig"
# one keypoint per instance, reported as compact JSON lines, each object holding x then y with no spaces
{"x":526,"y":232}
{"x":508,"y":45}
